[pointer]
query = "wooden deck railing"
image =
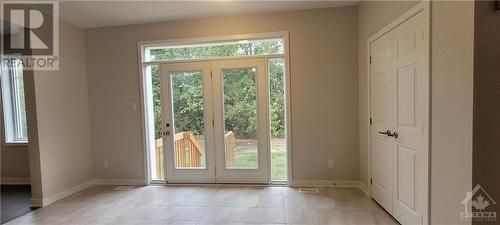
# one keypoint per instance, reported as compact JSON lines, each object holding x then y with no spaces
{"x":188,"y":151}
{"x":229,"y":143}
{"x":159,"y":159}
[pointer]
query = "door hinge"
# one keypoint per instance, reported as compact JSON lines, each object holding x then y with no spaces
{"x":211,"y":75}
{"x":370,"y":60}
{"x":371,"y":181}
{"x":213,"y":122}
{"x":371,"y":121}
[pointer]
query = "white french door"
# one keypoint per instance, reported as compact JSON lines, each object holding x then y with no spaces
{"x":187,"y":123}
{"x":216,"y":124}
{"x":255,"y":144}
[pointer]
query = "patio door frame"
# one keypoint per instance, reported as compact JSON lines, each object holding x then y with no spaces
{"x":148,"y":136}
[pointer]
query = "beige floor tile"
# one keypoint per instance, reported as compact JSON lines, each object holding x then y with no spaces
{"x":271,"y":202}
{"x":300,"y":216}
{"x":90,"y":221}
{"x":246,"y":201}
{"x":330,"y":217}
{"x":165,"y":212}
{"x":141,"y":222}
{"x":106,"y":211}
{"x":215,"y":214}
{"x":204,"y":205}
{"x":190,"y":213}
{"x":295,"y":202}
{"x":271,"y":215}
{"x":244,"y":215}
{"x":359,"y":217}
{"x":154,"y":212}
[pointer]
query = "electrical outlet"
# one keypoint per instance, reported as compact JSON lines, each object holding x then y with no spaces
{"x":330,"y":164}
{"x":133,"y":107}
{"x":106,"y":164}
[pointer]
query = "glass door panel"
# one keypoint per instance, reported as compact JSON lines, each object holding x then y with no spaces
{"x":240,"y":118}
{"x":188,"y":121}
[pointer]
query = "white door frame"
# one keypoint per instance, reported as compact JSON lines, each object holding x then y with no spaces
{"x":142,"y":45}
{"x":423,"y":6}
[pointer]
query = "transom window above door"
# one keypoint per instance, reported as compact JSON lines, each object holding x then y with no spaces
{"x":255,"y":47}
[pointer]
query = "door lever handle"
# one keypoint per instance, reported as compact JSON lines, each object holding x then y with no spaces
{"x":387,"y":132}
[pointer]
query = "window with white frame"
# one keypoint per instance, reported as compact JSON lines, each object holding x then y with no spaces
{"x":14,"y":108}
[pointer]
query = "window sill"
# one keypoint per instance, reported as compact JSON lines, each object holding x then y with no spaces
{"x":15,"y":144}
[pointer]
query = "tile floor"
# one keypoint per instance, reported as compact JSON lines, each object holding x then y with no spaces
{"x":186,"y":205}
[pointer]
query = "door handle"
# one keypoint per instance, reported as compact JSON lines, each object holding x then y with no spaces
{"x":387,"y":132}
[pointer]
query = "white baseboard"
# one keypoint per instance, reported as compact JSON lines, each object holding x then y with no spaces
{"x":16,"y":181}
{"x":65,"y":193}
{"x":120,"y":182}
{"x":364,"y":188}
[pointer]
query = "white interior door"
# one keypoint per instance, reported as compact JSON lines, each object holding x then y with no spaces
{"x":382,"y":146}
{"x":242,"y":153}
{"x":411,"y":110}
{"x":186,"y":95}
{"x":399,"y":75}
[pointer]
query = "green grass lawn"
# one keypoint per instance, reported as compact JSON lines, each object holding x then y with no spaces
{"x":278,"y":163}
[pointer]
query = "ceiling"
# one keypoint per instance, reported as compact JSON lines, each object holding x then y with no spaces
{"x":90,"y":14}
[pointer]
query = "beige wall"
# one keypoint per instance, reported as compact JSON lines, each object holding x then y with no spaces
{"x":324,"y":109}
{"x":15,"y":164}
{"x":62,"y":117}
{"x":486,"y":101}
{"x":451,"y":134}
{"x":451,"y":99}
